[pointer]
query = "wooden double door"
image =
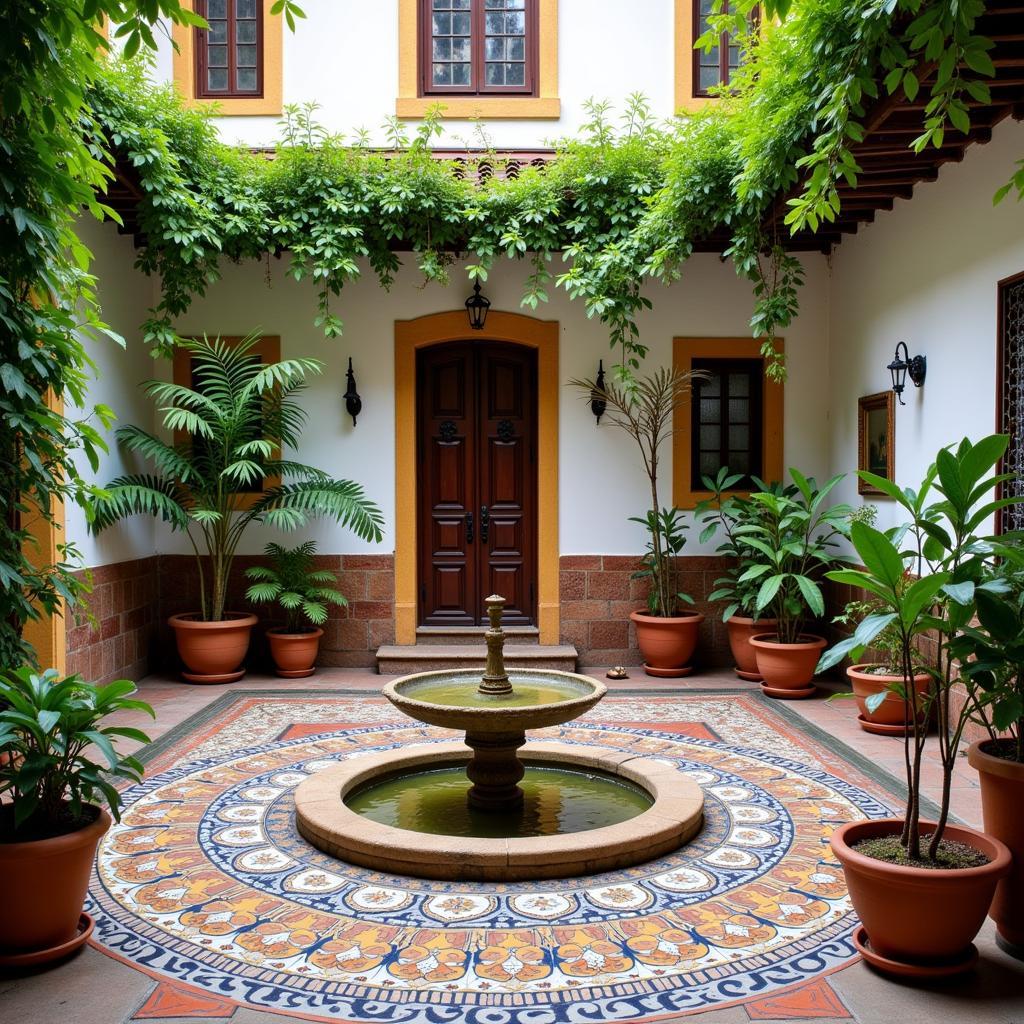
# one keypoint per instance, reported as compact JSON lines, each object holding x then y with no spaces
{"x":477,"y":481}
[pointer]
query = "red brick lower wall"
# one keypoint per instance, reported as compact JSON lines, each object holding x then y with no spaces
{"x":597,"y":594}
{"x":119,"y":641}
{"x":351,"y":635}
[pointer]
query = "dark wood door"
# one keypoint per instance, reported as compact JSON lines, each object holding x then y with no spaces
{"x":477,"y":486}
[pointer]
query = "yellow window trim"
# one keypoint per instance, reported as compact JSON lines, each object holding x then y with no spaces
{"x":684,"y":352}
{"x":545,"y":105}
{"x":270,"y":103}
{"x":685,"y":100}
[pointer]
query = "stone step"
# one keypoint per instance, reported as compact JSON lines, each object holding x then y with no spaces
{"x":455,"y":635}
{"x":396,"y":659}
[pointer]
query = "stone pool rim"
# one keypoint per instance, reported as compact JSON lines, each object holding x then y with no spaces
{"x":324,"y":820}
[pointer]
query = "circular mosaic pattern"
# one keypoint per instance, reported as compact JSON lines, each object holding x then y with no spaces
{"x":205,"y":880}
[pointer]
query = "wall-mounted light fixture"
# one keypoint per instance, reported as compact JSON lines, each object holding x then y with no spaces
{"x":903,"y":366}
{"x":597,"y":400}
{"x":353,"y":403}
{"x":476,"y":308}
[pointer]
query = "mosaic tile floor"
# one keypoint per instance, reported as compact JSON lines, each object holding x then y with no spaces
{"x":206,"y":885}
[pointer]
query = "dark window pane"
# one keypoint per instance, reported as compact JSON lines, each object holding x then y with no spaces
{"x":494,"y":24}
{"x":739,"y":436}
{"x":710,"y":463}
{"x":245,"y":32}
{"x":217,"y":56}
{"x":245,"y":8}
{"x":515,"y":74}
{"x":739,"y":385}
{"x":245,"y":56}
{"x":442,"y":74}
{"x":460,"y":49}
{"x":218,"y":32}
{"x":712,"y":388}
{"x":515,"y":23}
{"x":442,"y":24}
{"x":709,"y":410}
{"x":711,"y":437}
{"x":442,"y":49}
{"x":246,"y":80}
{"x":515,"y":49}
{"x":460,"y":25}
{"x":495,"y":49}
{"x":216,"y":9}
{"x":217,"y":79}
{"x":460,"y":74}
{"x":495,"y":74}
{"x":739,"y":462}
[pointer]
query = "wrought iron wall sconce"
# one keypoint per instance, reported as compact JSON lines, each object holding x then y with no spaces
{"x":477,"y":306}
{"x":916,"y":367}
{"x":597,"y":401}
{"x":353,"y":403}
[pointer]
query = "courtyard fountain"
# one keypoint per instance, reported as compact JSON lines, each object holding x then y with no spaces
{"x":496,"y":807}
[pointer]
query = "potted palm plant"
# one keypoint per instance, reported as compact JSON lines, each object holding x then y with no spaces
{"x":790,"y":543}
{"x":61,"y":766}
{"x":922,"y":888}
{"x":237,"y":419}
{"x":727,"y":513}
{"x":991,"y":655}
{"x":644,"y":408}
{"x":302,"y":592}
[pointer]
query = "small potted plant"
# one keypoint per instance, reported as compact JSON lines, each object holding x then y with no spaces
{"x":922,"y":888}
{"x":238,"y":417}
{"x":728,"y":513}
{"x":884,"y":711}
{"x":644,"y":408}
{"x":992,"y":657}
{"x":62,"y":766}
{"x":790,"y":544}
{"x":303,"y":593}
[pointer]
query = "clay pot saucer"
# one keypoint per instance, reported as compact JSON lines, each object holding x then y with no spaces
{"x":750,"y":677}
{"x":881,"y":728}
{"x":210,"y":680}
{"x":905,"y":970}
{"x":784,"y":693}
{"x":18,"y":961}
{"x":668,"y":673}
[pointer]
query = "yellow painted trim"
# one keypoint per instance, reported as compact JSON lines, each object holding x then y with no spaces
{"x":684,"y":40}
{"x":544,"y":106}
{"x":272,"y":100}
{"x":684,"y":352}
{"x":47,"y":635}
{"x":411,"y":335}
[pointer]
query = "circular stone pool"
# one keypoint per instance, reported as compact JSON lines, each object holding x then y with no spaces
{"x":556,"y":800}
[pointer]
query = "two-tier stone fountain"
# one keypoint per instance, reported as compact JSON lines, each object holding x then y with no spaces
{"x":496,"y":807}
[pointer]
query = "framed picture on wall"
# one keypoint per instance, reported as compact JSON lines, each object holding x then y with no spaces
{"x":876,"y":438}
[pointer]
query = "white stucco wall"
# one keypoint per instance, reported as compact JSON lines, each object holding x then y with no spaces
{"x":125,"y":294}
{"x":926,"y":273}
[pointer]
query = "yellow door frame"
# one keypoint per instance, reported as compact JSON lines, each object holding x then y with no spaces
{"x":436,"y":329}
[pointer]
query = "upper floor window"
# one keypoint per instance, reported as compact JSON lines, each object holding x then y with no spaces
{"x":478,"y":46}
{"x":714,"y":67}
{"x":229,"y":55}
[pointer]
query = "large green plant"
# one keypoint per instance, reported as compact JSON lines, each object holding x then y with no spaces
{"x":61,"y":753}
{"x":941,"y":543}
{"x":789,"y":545}
{"x":644,"y":408}
{"x":293,"y":582}
{"x":240,"y":417}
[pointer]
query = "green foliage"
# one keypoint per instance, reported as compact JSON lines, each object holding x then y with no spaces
{"x":302,"y":591}
{"x":790,"y":543}
{"x":240,"y":416}
{"x":645,"y":409}
{"x":954,"y":566}
{"x":53,"y":731}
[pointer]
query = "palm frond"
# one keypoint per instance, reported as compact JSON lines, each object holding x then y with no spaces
{"x":341,"y":500}
{"x":169,"y":461}
{"x":140,"y":494}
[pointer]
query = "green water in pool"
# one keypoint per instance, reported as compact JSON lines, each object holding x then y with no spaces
{"x":556,"y":801}
{"x":526,"y":692}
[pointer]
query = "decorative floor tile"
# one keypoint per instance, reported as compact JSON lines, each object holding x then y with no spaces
{"x":205,"y":881}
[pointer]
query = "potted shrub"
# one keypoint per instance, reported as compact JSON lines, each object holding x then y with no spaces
{"x":62,"y":766}
{"x":727,"y":513}
{"x":922,"y":888}
{"x":303,"y":593}
{"x":992,"y":657}
{"x":789,"y":544}
{"x":644,"y":408}
{"x":238,"y":418}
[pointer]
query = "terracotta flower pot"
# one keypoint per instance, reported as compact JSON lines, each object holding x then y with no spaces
{"x":740,"y":631}
{"x":788,"y":669}
{"x":213,"y":651}
{"x":44,"y":886}
{"x":919,"y":920}
{"x":890,"y":717}
{"x":1002,"y":796}
{"x":294,"y":654}
{"x":667,"y":643}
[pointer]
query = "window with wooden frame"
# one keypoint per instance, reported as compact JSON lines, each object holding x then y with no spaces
{"x":1010,"y":397}
{"x":733,"y":418}
{"x":712,"y":68}
{"x":229,"y":54}
{"x":478,"y":47}
{"x":267,"y":350}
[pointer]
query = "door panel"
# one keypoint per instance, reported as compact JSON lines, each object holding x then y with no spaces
{"x":477,"y":491}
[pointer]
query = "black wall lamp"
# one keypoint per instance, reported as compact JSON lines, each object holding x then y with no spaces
{"x":597,"y":401}
{"x":916,"y":367}
{"x":353,"y":403}
{"x":476,"y":308}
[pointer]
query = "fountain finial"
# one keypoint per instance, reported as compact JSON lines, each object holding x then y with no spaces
{"x":495,"y":680}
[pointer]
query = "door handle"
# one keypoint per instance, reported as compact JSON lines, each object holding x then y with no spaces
{"x":485,"y":522}
{"x":469,"y":527}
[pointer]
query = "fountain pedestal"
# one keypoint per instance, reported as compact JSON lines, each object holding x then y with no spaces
{"x":495,"y":770}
